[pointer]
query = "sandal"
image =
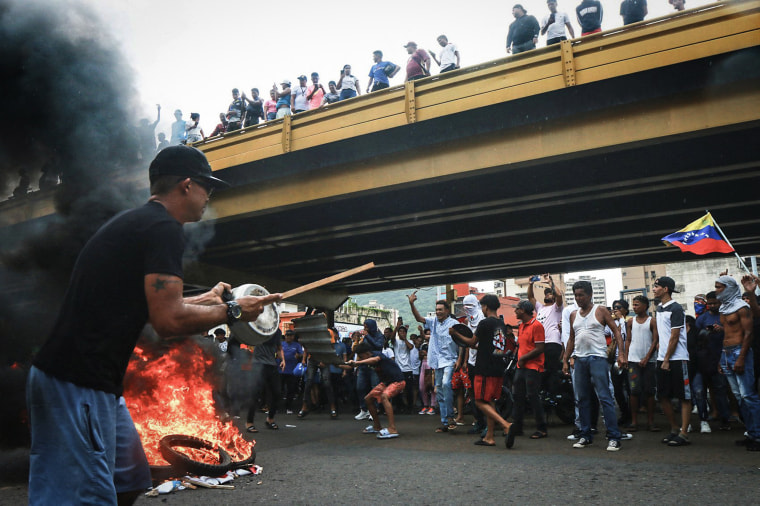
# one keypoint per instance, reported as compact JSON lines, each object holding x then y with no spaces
{"x":333,"y":414}
{"x":442,"y":428}
{"x":370,"y":429}
{"x":539,"y":435}
{"x":271,"y":425}
{"x":302,"y":414}
{"x":509,"y":441}
{"x":251,"y":429}
{"x":452,"y":426}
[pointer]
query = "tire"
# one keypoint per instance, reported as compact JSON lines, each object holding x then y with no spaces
{"x":245,"y":463}
{"x":184,"y":464}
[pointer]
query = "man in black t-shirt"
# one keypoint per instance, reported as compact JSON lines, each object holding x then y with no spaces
{"x":128,"y":274}
{"x":523,"y":32}
{"x":491,"y":338}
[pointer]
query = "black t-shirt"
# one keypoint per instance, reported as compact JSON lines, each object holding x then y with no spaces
{"x":492,"y":336}
{"x":265,"y":352}
{"x":387,"y":370}
{"x":105,"y":308}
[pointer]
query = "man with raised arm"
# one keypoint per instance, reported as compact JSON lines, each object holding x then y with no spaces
{"x":442,"y":355}
{"x":85,"y":449}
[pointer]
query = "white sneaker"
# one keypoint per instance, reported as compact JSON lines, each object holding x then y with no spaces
{"x":625,"y":436}
{"x":613,"y":446}
{"x":363,"y":415}
{"x":582,"y":443}
{"x":705,"y":427}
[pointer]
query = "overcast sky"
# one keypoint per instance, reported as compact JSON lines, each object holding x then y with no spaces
{"x":189,"y":54}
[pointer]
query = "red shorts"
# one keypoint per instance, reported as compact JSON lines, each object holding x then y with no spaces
{"x":460,"y":379}
{"x":487,"y":388}
{"x":391,"y":390}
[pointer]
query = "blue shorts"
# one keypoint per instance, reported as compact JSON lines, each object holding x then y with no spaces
{"x":85,"y":448}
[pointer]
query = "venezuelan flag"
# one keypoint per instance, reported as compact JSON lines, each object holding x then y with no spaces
{"x":699,"y":237}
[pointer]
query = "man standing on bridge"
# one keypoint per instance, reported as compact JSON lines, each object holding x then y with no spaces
{"x":553,"y":25}
{"x":442,"y":355}
{"x":523,"y":32}
{"x":590,"y":14}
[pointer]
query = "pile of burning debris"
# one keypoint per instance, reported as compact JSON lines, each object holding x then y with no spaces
{"x":169,"y":395}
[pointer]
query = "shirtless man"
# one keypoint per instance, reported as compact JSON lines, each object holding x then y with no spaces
{"x":737,"y":360}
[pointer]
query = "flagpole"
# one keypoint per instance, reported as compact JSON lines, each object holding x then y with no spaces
{"x":728,"y":242}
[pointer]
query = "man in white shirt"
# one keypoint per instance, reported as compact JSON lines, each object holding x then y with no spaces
{"x":298,"y":94}
{"x":449,"y":55}
{"x":553,"y":25}
{"x":549,"y":314}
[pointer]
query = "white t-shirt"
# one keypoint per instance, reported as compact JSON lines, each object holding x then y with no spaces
{"x":300,"y":102}
{"x":623,"y":333}
{"x":550,"y":317}
{"x":556,"y":29}
{"x":447,"y":55}
{"x":348,"y":83}
{"x":641,"y":340}
{"x":414,"y":359}
{"x":388,"y":352}
{"x":566,"y":322}
{"x":402,"y":355}
{"x":671,"y":316}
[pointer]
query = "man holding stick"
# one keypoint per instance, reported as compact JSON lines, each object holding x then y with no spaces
{"x":82,"y":433}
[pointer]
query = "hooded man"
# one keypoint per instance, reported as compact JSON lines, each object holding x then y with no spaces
{"x":366,"y":378}
{"x":737,"y":361}
{"x":474,"y":317}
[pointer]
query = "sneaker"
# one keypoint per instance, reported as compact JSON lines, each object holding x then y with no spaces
{"x":670,"y":437}
{"x":575,"y":436}
{"x":289,"y":412}
{"x":582,"y":443}
{"x":363,"y":415}
{"x":431,"y":411}
{"x":625,"y":436}
{"x":423,"y":411}
{"x":705,"y":427}
{"x":613,"y":445}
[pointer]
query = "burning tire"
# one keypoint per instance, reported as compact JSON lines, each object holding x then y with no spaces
{"x":185,"y":464}
{"x":245,"y":463}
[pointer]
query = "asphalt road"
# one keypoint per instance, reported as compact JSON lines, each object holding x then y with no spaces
{"x":323,"y":461}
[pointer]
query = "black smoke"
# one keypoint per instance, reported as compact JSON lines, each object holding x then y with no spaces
{"x":68,"y":102}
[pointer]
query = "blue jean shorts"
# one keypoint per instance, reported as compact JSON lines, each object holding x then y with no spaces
{"x":85,"y":448}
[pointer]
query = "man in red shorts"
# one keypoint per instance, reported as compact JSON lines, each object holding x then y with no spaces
{"x":391,"y":384}
{"x":491,"y":339}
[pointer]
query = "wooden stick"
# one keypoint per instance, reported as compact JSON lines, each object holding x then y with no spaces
{"x":328,"y":280}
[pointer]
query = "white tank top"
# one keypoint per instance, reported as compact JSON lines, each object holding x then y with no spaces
{"x":641,"y":341}
{"x":589,"y":335}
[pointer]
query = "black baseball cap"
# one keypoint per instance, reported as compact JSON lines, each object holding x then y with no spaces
{"x":668,"y":283}
{"x":184,"y":161}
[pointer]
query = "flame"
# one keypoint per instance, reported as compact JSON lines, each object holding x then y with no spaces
{"x":170,"y":394}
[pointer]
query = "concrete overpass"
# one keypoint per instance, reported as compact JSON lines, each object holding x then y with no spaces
{"x":573,"y":157}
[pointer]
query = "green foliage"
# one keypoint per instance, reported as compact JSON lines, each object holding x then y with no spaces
{"x":397,"y":299}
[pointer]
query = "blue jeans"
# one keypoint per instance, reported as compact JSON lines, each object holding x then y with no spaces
{"x":743,"y":387}
{"x":85,"y":448}
{"x":718,"y":385}
{"x":444,"y":392}
{"x":366,"y":380}
{"x":344,"y":94}
{"x":594,"y":373}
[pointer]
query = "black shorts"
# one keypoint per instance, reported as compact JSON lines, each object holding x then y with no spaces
{"x":555,"y":40}
{"x":674,"y":383}
{"x":379,"y":86}
{"x":642,"y":379}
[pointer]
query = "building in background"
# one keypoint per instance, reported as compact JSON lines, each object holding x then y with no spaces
{"x":599,"y":286}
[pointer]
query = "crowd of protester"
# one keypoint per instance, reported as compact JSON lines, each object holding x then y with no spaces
{"x":625,"y":361}
{"x":287,"y":99}
{"x":308,"y":93}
